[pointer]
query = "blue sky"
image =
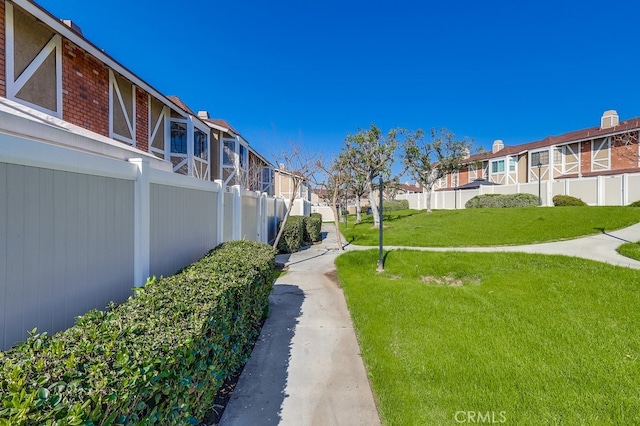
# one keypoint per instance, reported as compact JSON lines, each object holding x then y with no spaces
{"x":312,"y":71}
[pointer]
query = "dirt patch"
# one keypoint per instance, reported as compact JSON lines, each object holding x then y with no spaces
{"x":333,"y":277}
{"x":394,"y":277}
{"x":449,"y":280}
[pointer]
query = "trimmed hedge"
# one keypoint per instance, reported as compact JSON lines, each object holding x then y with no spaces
{"x":635,"y":204}
{"x":567,"y":200}
{"x":502,"y":201}
{"x":293,"y":235}
{"x":158,"y":358}
{"x":312,"y":228}
{"x":391,"y":205}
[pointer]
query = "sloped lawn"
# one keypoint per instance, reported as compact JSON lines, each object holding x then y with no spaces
{"x":527,"y":339}
{"x":488,"y":227}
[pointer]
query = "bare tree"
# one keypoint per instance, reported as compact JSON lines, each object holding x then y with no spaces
{"x":357,"y":186}
{"x":334,"y":178}
{"x":299,"y":166}
{"x":370,"y":154}
{"x":432,"y":160}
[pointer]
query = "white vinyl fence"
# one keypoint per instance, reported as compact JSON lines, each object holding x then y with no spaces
{"x":612,"y":190}
{"x":79,"y":230}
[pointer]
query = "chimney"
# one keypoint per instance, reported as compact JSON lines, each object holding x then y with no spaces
{"x":497,"y":146}
{"x":203,"y":114}
{"x":75,"y":27}
{"x":609,"y":119}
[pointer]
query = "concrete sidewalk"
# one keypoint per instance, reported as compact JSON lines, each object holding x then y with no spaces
{"x":306,"y":367}
{"x":600,"y":247}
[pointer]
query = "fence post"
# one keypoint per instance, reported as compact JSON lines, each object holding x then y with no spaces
{"x":141,"y":222}
{"x":220,"y":212}
{"x":237,"y":213}
{"x":264,"y":217}
{"x":600,"y":190}
{"x":625,"y":189}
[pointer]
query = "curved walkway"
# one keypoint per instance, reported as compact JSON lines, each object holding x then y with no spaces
{"x":306,"y":367}
{"x":600,"y":247}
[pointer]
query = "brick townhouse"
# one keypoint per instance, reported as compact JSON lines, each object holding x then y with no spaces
{"x":610,"y":148}
{"x":53,"y":72}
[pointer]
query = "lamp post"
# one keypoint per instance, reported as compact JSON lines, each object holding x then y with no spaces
{"x":539,"y":165}
{"x":380,"y":258}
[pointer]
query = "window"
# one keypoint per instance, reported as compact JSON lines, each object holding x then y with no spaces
{"x":200,"y":144}
{"x":512,"y":164}
{"x":497,"y":166}
{"x":541,"y":157}
{"x":178,"y":137}
{"x":229,"y":153}
{"x":243,"y":157}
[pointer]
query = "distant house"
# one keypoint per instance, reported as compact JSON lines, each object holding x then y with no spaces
{"x":55,"y":76}
{"x":610,"y":148}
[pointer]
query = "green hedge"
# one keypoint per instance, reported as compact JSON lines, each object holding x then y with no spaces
{"x":635,"y":204}
{"x":392,"y":205}
{"x":293,"y":235}
{"x":567,"y":200}
{"x":502,"y":200}
{"x":312,"y":228}
{"x":158,"y":358}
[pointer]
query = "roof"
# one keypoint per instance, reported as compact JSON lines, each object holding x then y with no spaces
{"x":570,"y":137}
{"x":222,"y":123}
{"x":410,"y":187}
{"x":176,"y":100}
{"x":476,"y":183}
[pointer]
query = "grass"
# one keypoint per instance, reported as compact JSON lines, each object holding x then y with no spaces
{"x":487,"y":227}
{"x":631,"y":250}
{"x":536,"y":339}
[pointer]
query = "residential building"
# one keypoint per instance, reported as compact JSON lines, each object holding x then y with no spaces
{"x":610,"y":148}
{"x":54,"y":74}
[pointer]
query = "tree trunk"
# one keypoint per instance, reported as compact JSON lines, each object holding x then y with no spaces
{"x":429,"y":200}
{"x":374,"y":210}
{"x":284,"y":221}
{"x":358,"y":209}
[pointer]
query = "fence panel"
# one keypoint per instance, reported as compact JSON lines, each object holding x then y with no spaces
{"x":586,"y":189}
{"x":182,"y":227}
{"x":66,"y":247}
{"x":612,"y":186}
{"x":250,"y":216}
{"x":633,"y":188}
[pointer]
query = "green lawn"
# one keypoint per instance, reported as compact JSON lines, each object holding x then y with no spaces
{"x":631,"y":250}
{"x":527,"y":338}
{"x":486,"y":227}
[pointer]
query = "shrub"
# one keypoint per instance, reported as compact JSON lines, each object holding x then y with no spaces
{"x":502,"y":200}
{"x":312,"y":228}
{"x":392,"y":205}
{"x":318,"y":215}
{"x":158,"y":358}
{"x":635,"y":204}
{"x":567,"y":200}
{"x":293,"y":235}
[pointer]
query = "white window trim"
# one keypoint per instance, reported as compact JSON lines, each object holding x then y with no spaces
{"x":14,"y":86}
{"x":604,"y":164}
{"x":114,"y":89}
{"x":162,"y":118}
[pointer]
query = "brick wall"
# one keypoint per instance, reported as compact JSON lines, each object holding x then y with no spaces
{"x":142,"y":120}
{"x":624,"y":153}
{"x":85,"y":89}
{"x":585,"y":157}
